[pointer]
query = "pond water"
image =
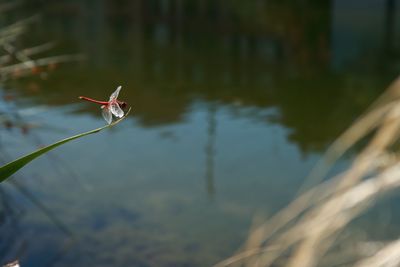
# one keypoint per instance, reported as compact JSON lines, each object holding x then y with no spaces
{"x":232,"y":105}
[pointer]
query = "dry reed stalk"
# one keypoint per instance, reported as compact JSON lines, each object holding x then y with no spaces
{"x":18,"y":62}
{"x":388,"y":256}
{"x":26,"y":66}
{"x":301,"y":234}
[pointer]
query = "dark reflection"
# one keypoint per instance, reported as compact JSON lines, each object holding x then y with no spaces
{"x":390,"y":12}
{"x":16,"y":243}
{"x":11,"y":242}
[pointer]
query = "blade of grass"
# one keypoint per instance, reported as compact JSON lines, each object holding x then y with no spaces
{"x":12,"y":167}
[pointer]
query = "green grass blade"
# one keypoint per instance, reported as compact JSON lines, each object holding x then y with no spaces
{"x":12,"y":167}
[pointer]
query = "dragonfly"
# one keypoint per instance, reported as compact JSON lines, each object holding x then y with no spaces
{"x":111,"y":107}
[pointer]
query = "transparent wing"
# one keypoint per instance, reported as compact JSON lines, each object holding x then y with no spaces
{"x":115,"y":94}
{"x":116,"y":110}
{"x":106,"y":112}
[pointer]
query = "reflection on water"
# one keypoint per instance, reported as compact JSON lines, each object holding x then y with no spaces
{"x":210,"y":149}
{"x":233,"y":102}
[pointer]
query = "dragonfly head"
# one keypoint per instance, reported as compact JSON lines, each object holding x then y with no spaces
{"x":122,"y":104}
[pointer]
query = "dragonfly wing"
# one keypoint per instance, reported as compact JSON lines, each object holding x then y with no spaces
{"x":116,"y":110}
{"x":115,"y":94}
{"x":106,"y":112}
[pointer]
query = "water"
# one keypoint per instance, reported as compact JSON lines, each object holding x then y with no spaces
{"x":233,"y":104}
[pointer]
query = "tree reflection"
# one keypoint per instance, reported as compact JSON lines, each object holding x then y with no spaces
{"x":210,"y":150}
{"x":169,"y":54}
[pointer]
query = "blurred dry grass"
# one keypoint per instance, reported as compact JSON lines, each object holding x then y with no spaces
{"x":308,"y":232}
{"x":16,"y":62}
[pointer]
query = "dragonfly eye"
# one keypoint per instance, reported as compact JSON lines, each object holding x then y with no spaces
{"x":122,"y":104}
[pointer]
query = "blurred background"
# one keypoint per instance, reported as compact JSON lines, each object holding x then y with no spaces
{"x":233,"y":102}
